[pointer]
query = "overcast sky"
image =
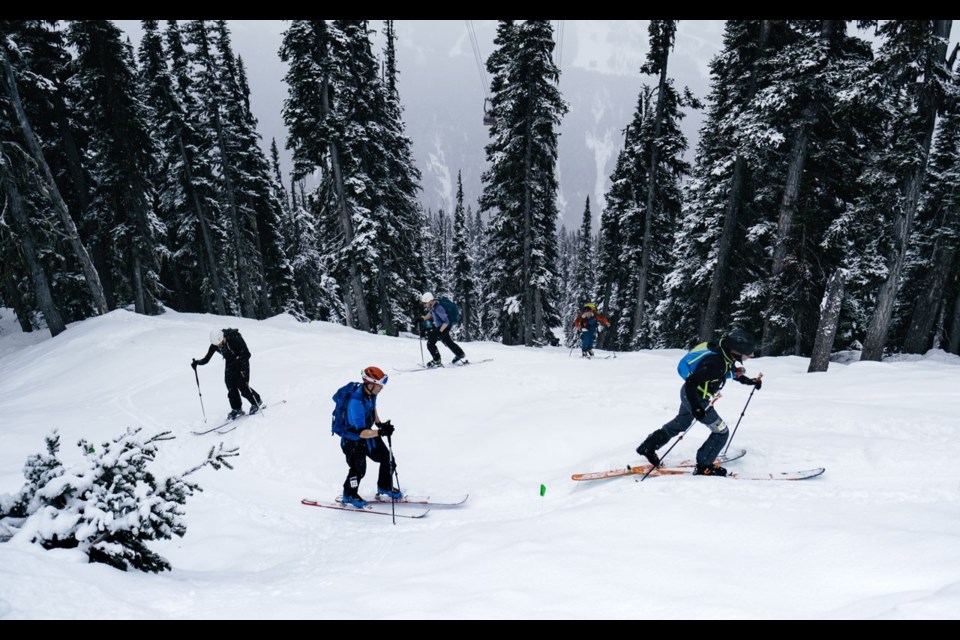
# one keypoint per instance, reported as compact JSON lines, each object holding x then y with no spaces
{"x":442,"y":90}
{"x":611,"y":47}
{"x":442,"y":87}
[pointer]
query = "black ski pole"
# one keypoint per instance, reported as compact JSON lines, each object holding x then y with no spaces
{"x":614,"y":349}
{"x":660,"y":464}
{"x":257,"y":403}
{"x":393,"y":467}
{"x":576,"y":338}
{"x":420,"y":327}
{"x":197,"y":376}
{"x":741,"y":418}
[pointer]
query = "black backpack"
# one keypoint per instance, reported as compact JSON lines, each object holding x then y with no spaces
{"x":236,"y":343}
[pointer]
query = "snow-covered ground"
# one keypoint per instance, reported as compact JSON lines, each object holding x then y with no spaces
{"x":877,"y":536}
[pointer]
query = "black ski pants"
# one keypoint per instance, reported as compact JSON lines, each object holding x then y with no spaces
{"x":444,"y":337}
{"x":237,"y":379}
{"x":357,"y":452}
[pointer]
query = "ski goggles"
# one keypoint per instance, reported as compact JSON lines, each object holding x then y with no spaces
{"x":382,"y":381}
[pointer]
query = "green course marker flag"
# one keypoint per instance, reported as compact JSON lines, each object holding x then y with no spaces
{"x":543,"y":490}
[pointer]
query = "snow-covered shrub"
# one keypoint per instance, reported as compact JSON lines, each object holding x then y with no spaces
{"x":109,"y":505}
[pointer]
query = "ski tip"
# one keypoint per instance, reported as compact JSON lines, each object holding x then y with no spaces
{"x":782,"y":475}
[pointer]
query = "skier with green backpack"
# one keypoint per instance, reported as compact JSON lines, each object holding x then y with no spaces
{"x":440,"y":315}
{"x":705,"y":369}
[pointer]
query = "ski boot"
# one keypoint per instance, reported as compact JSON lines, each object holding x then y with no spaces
{"x":648,"y":448}
{"x":390,"y":494}
{"x":709,"y":470}
{"x":433,"y":364}
{"x":236,"y":413}
{"x":354,"y":500}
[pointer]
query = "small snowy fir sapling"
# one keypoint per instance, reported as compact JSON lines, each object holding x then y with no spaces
{"x":109,"y":505}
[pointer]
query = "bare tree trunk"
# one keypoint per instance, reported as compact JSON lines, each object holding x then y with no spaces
{"x":386,"y":318}
{"x":70,"y":229}
{"x":639,"y":313}
{"x":139,"y":299}
{"x":41,"y":283}
{"x":354,"y":287}
{"x":712,"y":310}
{"x":15,"y":300}
{"x":467,"y":317}
{"x":243,"y":278}
{"x":147,"y":303}
{"x":788,"y":211}
{"x":954,"y":344}
{"x":931,"y":299}
{"x":204,"y":230}
{"x":612,"y":234}
{"x":527,"y":234}
{"x":347,"y":304}
{"x":538,"y":324}
{"x":74,"y":164}
{"x":829,"y":319}
{"x":876,"y":338}
{"x":266,"y":308}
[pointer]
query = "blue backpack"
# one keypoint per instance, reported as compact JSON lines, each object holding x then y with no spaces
{"x":453,"y":311}
{"x":690,"y":361}
{"x":339,"y":424}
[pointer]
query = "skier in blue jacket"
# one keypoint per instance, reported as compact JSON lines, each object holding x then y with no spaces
{"x":437,"y":324}
{"x":703,"y":383}
{"x":363,"y":438}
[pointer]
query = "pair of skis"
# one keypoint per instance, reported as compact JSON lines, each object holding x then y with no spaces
{"x":687,"y":467}
{"x":229,"y":425}
{"x":379,"y":505}
{"x":424,"y":367}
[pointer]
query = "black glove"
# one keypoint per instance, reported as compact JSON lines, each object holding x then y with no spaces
{"x":386,"y":429}
{"x":193,"y":363}
{"x":699,"y":412}
{"x":757,"y":383}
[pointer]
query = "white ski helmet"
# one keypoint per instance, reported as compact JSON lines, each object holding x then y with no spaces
{"x":216,"y":336}
{"x":426,"y":297}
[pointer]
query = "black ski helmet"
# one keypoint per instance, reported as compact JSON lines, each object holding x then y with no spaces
{"x":739,"y":341}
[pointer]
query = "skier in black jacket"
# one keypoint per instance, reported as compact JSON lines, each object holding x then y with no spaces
{"x":230,"y":344}
{"x":703,"y":383}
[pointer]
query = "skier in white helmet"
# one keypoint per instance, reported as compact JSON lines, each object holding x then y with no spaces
{"x":437,"y":323}
{"x":231,"y":345}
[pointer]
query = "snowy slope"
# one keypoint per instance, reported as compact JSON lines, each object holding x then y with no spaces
{"x":874,"y":537}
